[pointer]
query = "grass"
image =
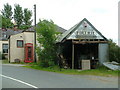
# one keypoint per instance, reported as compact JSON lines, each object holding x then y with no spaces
{"x":101,"y":71}
{"x":5,"y":61}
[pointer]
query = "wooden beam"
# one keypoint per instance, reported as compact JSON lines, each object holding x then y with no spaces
{"x":72,"y":55}
{"x":83,"y":42}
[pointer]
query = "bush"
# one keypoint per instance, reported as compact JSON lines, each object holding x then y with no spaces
{"x":46,"y":36}
{"x":3,"y":56}
{"x":114,"y":52}
{"x":46,"y":63}
{"x":51,"y":63}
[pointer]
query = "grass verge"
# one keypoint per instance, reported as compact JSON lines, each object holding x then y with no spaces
{"x":5,"y":61}
{"x":101,"y":71}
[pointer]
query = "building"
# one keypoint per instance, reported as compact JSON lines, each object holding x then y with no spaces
{"x":4,"y":44}
{"x":82,"y":46}
{"x":18,"y":45}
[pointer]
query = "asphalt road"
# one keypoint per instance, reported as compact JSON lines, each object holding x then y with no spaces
{"x":20,"y":77}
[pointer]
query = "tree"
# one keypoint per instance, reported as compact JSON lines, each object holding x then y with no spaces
{"x":27,"y":17}
{"x":6,"y":22}
{"x":114,"y":51}
{"x":18,"y":15}
{"x":0,"y":21}
{"x":6,"y":16}
{"x":7,"y":11}
{"x":46,"y":36}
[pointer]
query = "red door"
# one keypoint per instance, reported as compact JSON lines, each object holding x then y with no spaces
{"x":29,"y":52}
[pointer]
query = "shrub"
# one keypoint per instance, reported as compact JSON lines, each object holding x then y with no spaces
{"x":3,"y":56}
{"x":46,"y":36}
{"x":114,"y":51}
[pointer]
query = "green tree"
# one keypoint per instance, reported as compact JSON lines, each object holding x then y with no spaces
{"x":46,"y":36}
{"x":114,"y":51}
{"x":27,"y":17}
{"x":6,"y":22}
{"x":0,"y":21}
{"x":6,"y":16}
{"x":7,"y":11}
{"x":18,"y":15}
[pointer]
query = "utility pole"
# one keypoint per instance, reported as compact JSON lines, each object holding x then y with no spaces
{"x":34,"y":32}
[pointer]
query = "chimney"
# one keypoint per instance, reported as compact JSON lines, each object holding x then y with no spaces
{"x":15,"y":28}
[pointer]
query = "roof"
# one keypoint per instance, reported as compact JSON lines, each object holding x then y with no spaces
{"x":60,"y":29}
{"x":10,"y":32}
{"x":74,"y":28}
{"x":5,"y":34}
{"x":30,"y":29}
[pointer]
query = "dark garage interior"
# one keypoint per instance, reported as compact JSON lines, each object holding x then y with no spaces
{"x":87,"y":51}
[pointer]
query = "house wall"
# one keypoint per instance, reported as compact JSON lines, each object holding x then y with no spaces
{"x":15,"y":52}
{"x":1,"y":49}
{"x":28,"y":37}
{"x":18,"y":53}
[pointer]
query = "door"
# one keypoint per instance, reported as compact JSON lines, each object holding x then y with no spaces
{"x":28,"y":52}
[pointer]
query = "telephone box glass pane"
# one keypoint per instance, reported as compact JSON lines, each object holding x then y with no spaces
{"x":29,"y":52}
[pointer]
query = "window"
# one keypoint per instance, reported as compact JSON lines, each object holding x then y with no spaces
{"x":5,"y":48}
{"x":4,"y":35}
{"x":19,"y":43}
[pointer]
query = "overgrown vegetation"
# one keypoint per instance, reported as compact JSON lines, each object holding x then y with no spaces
{"x":114,"y":51}
{"x":46,"y":36}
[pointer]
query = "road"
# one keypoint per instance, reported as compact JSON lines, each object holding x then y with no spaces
{"x":21,"y":77}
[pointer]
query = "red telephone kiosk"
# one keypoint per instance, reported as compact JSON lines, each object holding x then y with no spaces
{"x":29,"y":52}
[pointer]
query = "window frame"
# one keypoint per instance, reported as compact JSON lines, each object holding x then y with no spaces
{"x":22,"y":44}
{"x":5,"y":48}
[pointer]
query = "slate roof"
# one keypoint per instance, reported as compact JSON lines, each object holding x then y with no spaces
{"x":60,"y":29}
{"x":66,"y":34}
{"x":8,"y":33}
{"x":30,"y":29}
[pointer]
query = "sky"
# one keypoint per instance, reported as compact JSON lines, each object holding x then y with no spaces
{"x":103,"y":14}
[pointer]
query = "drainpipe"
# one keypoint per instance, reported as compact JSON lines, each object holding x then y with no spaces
{"x":9,"y":49}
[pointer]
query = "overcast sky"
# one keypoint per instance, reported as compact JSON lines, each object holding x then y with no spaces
{"x":103,"y":14}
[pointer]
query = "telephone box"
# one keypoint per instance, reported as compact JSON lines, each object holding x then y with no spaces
{"x":29,"y":52}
